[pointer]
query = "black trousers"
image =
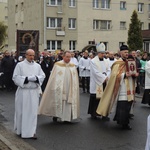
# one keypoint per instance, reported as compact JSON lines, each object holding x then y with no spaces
{"x":93,"y":104}
{"x":123,"y":112}
{"x":8,"y":80}
{"x":85,"y":83}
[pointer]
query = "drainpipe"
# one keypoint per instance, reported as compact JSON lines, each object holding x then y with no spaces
{"x":45,"y":47}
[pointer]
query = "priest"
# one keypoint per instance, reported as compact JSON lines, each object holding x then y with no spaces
{"x":146,"y":95}
{"x":28,"y":76}
{"x":119,"y":91}
{"x":99,"y":73}
{"x":60,"y":99}
{"x":147,"y":147}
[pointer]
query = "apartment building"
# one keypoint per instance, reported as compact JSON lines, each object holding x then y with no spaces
{"x":4,"y":18}
{"x":73,"y":24}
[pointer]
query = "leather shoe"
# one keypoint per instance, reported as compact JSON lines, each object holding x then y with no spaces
{"x":105,"y":118}
{"x":54,"y":119}
{"x":34,"y":137}
{"x":126,"y":127}
{"x":93,"y":117}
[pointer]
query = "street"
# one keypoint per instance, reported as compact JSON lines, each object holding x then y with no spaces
{"x":84,"y":133}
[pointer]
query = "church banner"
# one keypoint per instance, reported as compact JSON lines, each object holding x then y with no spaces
{"x":27,"y":39}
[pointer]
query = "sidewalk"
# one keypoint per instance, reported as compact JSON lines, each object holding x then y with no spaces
{"x":10,"y":141}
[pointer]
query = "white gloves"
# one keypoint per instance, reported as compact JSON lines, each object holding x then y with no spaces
{"x":32,"y":78}
{"x":1,"y":73}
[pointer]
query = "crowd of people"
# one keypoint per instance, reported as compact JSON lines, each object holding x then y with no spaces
{"x":111,"y":79}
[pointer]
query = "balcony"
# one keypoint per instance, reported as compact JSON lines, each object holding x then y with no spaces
{"x":60,"y":31}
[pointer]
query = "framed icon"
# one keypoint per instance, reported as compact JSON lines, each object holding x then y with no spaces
{"x":131,"y":67}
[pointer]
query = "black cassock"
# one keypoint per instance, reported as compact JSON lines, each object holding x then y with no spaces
{"x":146,"y":97}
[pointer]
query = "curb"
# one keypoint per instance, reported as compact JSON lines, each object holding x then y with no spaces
{"x":8,"y":143}
{"x":12,"y":141}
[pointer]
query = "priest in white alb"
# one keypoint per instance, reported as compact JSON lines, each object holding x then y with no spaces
{"x":99,"y":74}
{"x":60,"y":99}
{"x":28,"y":76}
{"x":147,"y":147}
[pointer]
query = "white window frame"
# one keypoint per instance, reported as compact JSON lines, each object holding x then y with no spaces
{"x":101,"y":24}
{"x":96,"y":4}
{"x":96,"y":24}
{"x":140,"y":7}
{"x":148,"y":7}
{"x":53,"y":23}
{"x":54,"y":2}
{"x":105,"y":24}
{"x":122,"y":25}
{"x":72,"y":23}
{"x":142,"y":25}
{"x":72,"y":45}
{"x":105,"y":4}
{"x":72,"y":3}
{"x":122,"y":5}
{"x":54,"y":45}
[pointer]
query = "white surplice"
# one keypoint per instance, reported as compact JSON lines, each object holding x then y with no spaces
{"x":27,"y":98}
{"x":97,"y":68}
{"x":147,"y":147}
{"x":84,"y":67}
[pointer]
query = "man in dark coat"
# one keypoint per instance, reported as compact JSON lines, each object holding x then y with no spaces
{"x":46,"y":66}
{"x":8,"y":65}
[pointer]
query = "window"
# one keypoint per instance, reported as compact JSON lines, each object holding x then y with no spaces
{"x":105,"y":25}
{"x":142,"y":25}
{"x":101,"y":24}
{"x":72,"y":45}
{"x":6,"y":17}
{"x":54,"y":2}
{"x":22,"y":24}
{"x":72,"y":23}
{"x":72,"y":3}
{"x":54,"y":45}
{"x":16,"y":8}
{"x":22,"y":6}
{"x":54,"y":22}
{"x":105,"y":4}
{"x":148,"y":7}
{"x":95,"y":3}
{"x":149,"y":11}
{"x":149,"y":26}
{"x":140,"y":7}
{"x":122,"y":25}
{"x":122,"y":5}
{"x":96,"y":24}
{"x":92,"y":42}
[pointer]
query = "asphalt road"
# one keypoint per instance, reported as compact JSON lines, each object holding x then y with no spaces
{"x":84,"y":133}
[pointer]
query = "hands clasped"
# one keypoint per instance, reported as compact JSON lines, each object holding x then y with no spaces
{"x":32,"y":78}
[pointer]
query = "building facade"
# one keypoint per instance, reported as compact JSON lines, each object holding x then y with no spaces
{"x":4,"y":19}
{"x":73,"y":24}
